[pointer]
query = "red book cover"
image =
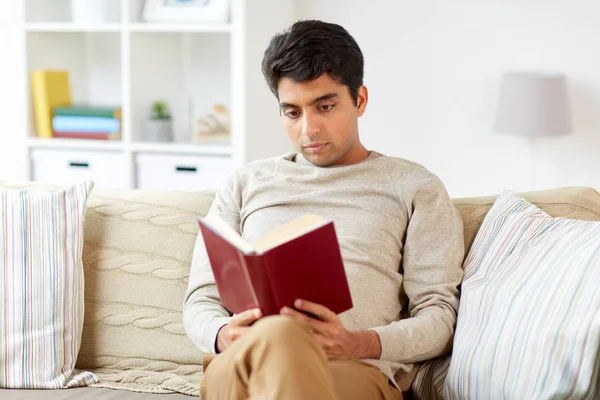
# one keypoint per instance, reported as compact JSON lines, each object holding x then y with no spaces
{"x":86,"y":135}
{"x":299,"y":260}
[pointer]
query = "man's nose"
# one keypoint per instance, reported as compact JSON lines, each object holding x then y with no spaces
{"x":310,"y":125}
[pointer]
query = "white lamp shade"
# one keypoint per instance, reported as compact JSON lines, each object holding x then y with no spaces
{"x":533,"y":104}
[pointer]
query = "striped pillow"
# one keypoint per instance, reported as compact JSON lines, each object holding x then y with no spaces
{"x":529,"y":318}
{"x":41,"y":287}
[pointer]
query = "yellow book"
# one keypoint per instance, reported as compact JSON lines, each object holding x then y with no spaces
{"x":49,"y":89}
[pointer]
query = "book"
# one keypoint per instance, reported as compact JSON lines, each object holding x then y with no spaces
{"x":88,"y":135}
{"x":89,"y":111}
{"x":298,"y":260}
{"x":49,"y":89}
{"x":61,"y":123}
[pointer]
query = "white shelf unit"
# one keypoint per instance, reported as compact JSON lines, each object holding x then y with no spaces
{"x":71,"y":27}
{"x":129,"y":63}
{"x":154,"y":27}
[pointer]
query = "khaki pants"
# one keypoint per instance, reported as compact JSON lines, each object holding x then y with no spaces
{"x":279,"y":359}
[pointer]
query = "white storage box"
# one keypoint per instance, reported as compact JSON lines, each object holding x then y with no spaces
{"x":175,"y":172}
{"x":63,"y":167}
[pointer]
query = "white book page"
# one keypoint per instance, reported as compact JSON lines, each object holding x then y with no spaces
{"x":288,"y":231}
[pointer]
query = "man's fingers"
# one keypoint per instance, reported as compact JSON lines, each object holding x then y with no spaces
{"x":236,"y":327}
{"x":322,"y":312}
{"x":237,"y":332}
{"x":247,"y":317}
{"x":313,"y":324}
{"x":325,"y":343}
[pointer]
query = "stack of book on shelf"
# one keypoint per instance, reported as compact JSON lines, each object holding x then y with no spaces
{"x":56,"y":116}
{"x":87,"y":122}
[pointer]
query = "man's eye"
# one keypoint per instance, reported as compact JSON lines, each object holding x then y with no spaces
{"x":327,"y":107}
{"x":292,"y":114}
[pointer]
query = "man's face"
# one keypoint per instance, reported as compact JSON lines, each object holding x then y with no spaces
{"x":321,"y":119}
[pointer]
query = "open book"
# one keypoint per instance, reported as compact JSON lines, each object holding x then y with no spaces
{"x":298,"y":260}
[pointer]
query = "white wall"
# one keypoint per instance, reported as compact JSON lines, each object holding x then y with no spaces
{"x":433,"y":68}
{"x":261,"y":106}
{"x":12,"y":93}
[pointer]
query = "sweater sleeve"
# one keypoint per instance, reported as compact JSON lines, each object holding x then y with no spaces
{"x":203,"y":313}
{"x":432,"y":272}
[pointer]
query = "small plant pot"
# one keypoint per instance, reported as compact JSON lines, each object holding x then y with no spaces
{"x":159,"y":130}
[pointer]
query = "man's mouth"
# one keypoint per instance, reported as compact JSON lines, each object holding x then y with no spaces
{"x":315,"y":147}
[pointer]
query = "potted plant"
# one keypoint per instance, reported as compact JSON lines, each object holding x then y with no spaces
{"x":159,"y":127}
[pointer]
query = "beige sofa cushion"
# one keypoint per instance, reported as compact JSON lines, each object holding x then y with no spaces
{"x":137,"y":255}
{"x":571,"y":202}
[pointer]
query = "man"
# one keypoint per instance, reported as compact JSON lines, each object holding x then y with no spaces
{"x":400,"y":236}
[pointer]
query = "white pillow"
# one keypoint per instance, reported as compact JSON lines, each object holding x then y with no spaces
{"x":529,"y":317}
{"x":41,"y":287}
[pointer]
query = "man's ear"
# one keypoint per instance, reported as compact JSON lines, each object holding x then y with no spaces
{"x":361,"y":100}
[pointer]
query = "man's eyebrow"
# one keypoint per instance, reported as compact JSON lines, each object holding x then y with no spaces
{"x":327,"y":96}
{"x":324,"y":97}
{"x":283,"y":104}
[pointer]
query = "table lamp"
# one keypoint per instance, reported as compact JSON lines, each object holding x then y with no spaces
{"x":532,"y":105}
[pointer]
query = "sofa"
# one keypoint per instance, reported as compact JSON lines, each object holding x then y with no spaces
{"x":138,"y":248}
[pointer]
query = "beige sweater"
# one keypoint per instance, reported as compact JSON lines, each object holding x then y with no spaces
{"x":401,"y":240}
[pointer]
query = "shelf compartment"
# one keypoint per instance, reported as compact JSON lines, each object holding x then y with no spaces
{"x":93,"y":61}
{"x":60,"y":10}
{"x":190,"y":71}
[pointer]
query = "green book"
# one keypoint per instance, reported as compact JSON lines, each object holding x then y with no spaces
{"x":83,"y":111}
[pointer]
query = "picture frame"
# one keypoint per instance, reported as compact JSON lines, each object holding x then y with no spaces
{"x":186,"y":11}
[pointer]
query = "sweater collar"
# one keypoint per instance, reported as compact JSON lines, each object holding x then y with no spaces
{"x":298,"y":158}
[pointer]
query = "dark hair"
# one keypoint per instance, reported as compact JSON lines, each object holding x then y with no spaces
{"x":308,"y":49}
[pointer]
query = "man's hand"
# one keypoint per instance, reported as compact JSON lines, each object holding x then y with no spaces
{"x":338,"y":343}
{"x":237,"y":326}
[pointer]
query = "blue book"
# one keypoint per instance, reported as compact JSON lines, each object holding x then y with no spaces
{"x":62,"y":123}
